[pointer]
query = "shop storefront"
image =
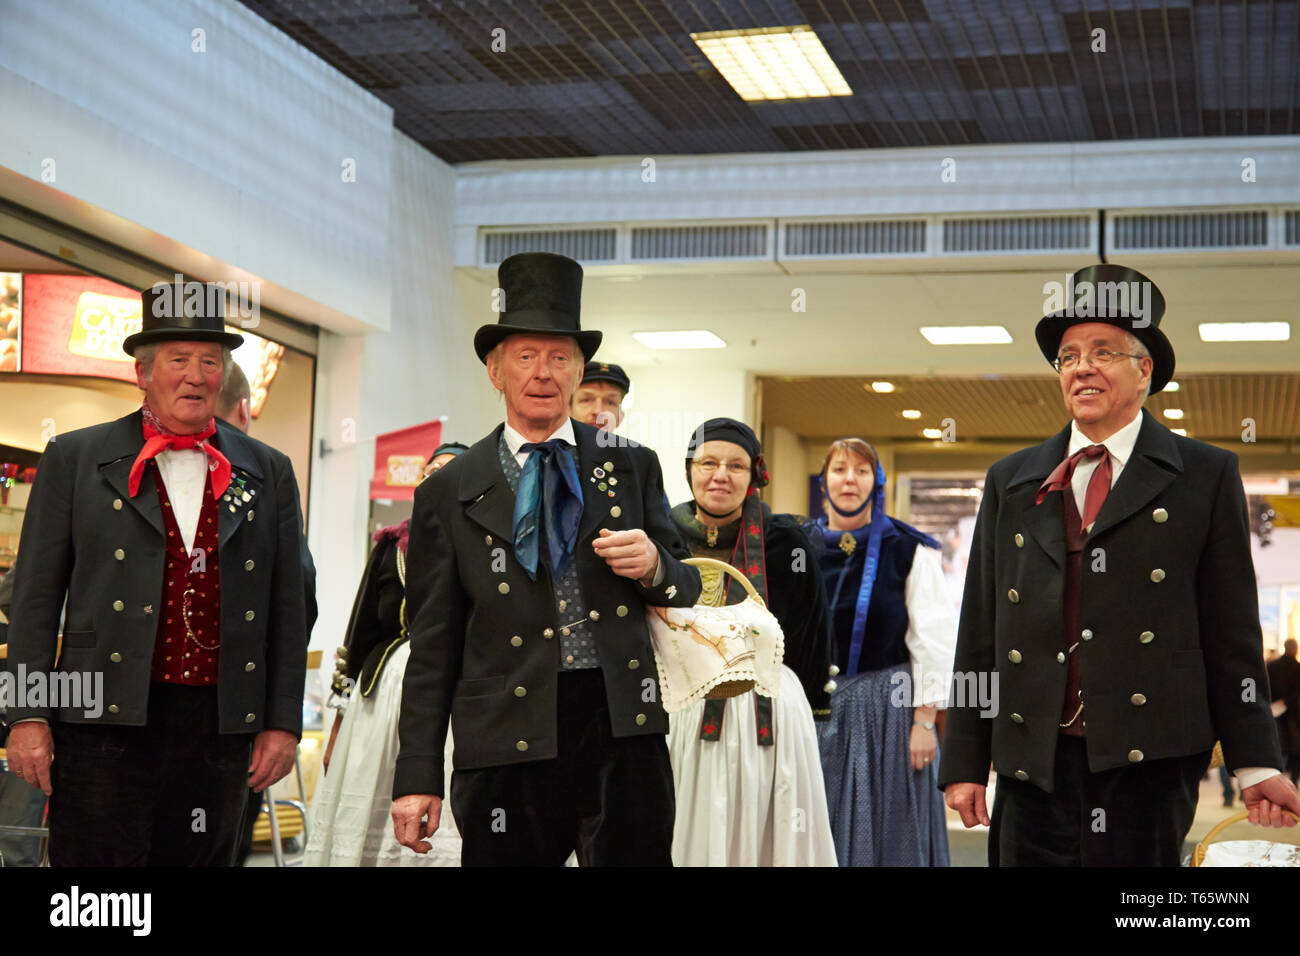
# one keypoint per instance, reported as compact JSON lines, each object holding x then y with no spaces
{"x":62,"y":367}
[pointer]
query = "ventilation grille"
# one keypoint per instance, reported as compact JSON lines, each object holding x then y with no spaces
{"x":700,"y":242}
{"x":867,"y":237}
{"x":1292,"y":227}
{"x":1017,"y":234}
{"x":585,"y":245}
{"x":1201,"y":230}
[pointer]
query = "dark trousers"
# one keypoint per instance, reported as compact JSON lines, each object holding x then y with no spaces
{"x":1128,"y":816}
{"x":170,"y":793}
{"x":21,"y":805}
{"x":252,"y":810}
{"x":608,"y":798}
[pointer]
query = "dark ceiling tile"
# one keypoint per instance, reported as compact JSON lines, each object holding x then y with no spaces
{"x":583,"y":77}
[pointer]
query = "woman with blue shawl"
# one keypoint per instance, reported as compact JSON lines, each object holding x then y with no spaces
{"x":894,"y":632}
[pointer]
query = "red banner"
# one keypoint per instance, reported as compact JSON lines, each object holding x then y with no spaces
{"x":400,"y":457}
{"x":74,"y":325}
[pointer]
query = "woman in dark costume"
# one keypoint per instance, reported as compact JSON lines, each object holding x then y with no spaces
{"x":748,"y":777}
{"x":894,"y":632}
{"x":350,"y":823}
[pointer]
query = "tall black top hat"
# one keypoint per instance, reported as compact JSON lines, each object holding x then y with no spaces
{"x":1119,"y":296}
{"x":183,"y":311}
{"x":543,"y":296}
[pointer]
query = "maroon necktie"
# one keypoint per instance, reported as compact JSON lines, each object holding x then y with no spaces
{"x":1098,"y":484}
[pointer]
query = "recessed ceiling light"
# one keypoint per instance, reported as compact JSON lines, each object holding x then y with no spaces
{"x":1174,"y":413}
{"x":773,"y":63}
{"x":684,"y":339}
{"x":1179,"y":431}
{"x":882,"y":387}
{"x":966,"y":334}
{"x":1172,"y":386}
{"x":1245,"y":331}
{"x":931,"y":433}
{"x":911,"y":413}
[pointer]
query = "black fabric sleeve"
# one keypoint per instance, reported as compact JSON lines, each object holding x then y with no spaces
{"x":364,"y":627}
{"x":799,"y":602}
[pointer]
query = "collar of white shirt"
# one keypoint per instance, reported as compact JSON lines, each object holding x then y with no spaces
{"x":1120,"y":444}
{"x":515,"y":441}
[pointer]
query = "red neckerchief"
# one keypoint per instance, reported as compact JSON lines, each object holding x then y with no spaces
{"x":157,"y":438}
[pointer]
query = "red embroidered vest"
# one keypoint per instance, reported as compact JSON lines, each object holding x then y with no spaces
{"x":191,"y":587}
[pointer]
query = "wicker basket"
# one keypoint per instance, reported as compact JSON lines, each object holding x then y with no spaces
{"x":1198,"y":854}
{"x":711,"y":652}
{"x":732,"y":688}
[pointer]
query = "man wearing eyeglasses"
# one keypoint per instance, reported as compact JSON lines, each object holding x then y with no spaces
{"x":1110,"y":589}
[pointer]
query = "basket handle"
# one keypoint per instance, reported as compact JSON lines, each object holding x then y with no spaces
{"x":1199,"y":853}
{"x":727,"y":569}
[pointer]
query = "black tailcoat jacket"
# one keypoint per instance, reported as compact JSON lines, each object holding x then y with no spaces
{"x":85,"y":538}
{"x":485,"y":644}
{"x":1169,"y":644}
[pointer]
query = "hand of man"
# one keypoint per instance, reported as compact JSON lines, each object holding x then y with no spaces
{"x":1269,"y":801}
{"x":629,"y":554}
{"x":968,"y":800}
{"x":415,"y":818}
{"x":30,"y":752}
{"x":273,"y":753}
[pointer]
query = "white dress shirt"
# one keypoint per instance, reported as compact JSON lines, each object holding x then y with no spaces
{"x":1120,"y":448}
{"x":514,"y":440}
{"x":183,"y":472}
{"x":931,"y":629}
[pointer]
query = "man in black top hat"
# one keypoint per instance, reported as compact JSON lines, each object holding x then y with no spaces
{"x":598,"y":399}
{"x":1110,"y":590}
{"x":531,"y":558}
{"x":175,"y":540}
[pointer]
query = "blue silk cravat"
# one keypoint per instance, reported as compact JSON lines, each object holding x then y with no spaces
{"x":549,"y":497}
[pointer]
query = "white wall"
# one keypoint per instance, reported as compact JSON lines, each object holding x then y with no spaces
{"x":423,"y":369}
{"x":668,"y":405}
{"x":1019,"y":176}
{"x":786,"y":462}
{"x":226,"y":162}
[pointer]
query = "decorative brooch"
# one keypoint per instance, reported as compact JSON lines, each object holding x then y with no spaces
{"x":604,"y":478}
{"x":238,"y":494}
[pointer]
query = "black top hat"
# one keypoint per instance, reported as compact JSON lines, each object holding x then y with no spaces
{"x":183,"y":311}
{"x":606,"y":372}
{"x":1119,"y":296}
{"x":543,"y":296}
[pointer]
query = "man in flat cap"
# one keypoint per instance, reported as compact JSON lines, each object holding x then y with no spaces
{"x":531,"y":558}
{"x":598,"y":399}
{"x":175,"y":541}
{"x":1110,"y":590}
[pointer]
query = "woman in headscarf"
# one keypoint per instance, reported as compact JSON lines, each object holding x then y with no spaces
{"x":748,"y":778}
{"x":894,"y":632}
{"x":350,"y":824}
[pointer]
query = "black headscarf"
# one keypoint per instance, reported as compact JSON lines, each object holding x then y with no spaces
{"x":736,"y":432}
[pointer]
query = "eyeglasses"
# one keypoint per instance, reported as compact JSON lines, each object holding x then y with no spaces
{"x":1098,"y":358}
{"x":708,"y":466}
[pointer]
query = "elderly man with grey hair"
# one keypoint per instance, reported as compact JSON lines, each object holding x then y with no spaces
{"x":532,"y":558}
{"x":175,"y":542}
{"x":1110,"y":592}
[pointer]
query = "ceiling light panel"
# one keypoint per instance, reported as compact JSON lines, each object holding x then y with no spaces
{"x":773,"y":63}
